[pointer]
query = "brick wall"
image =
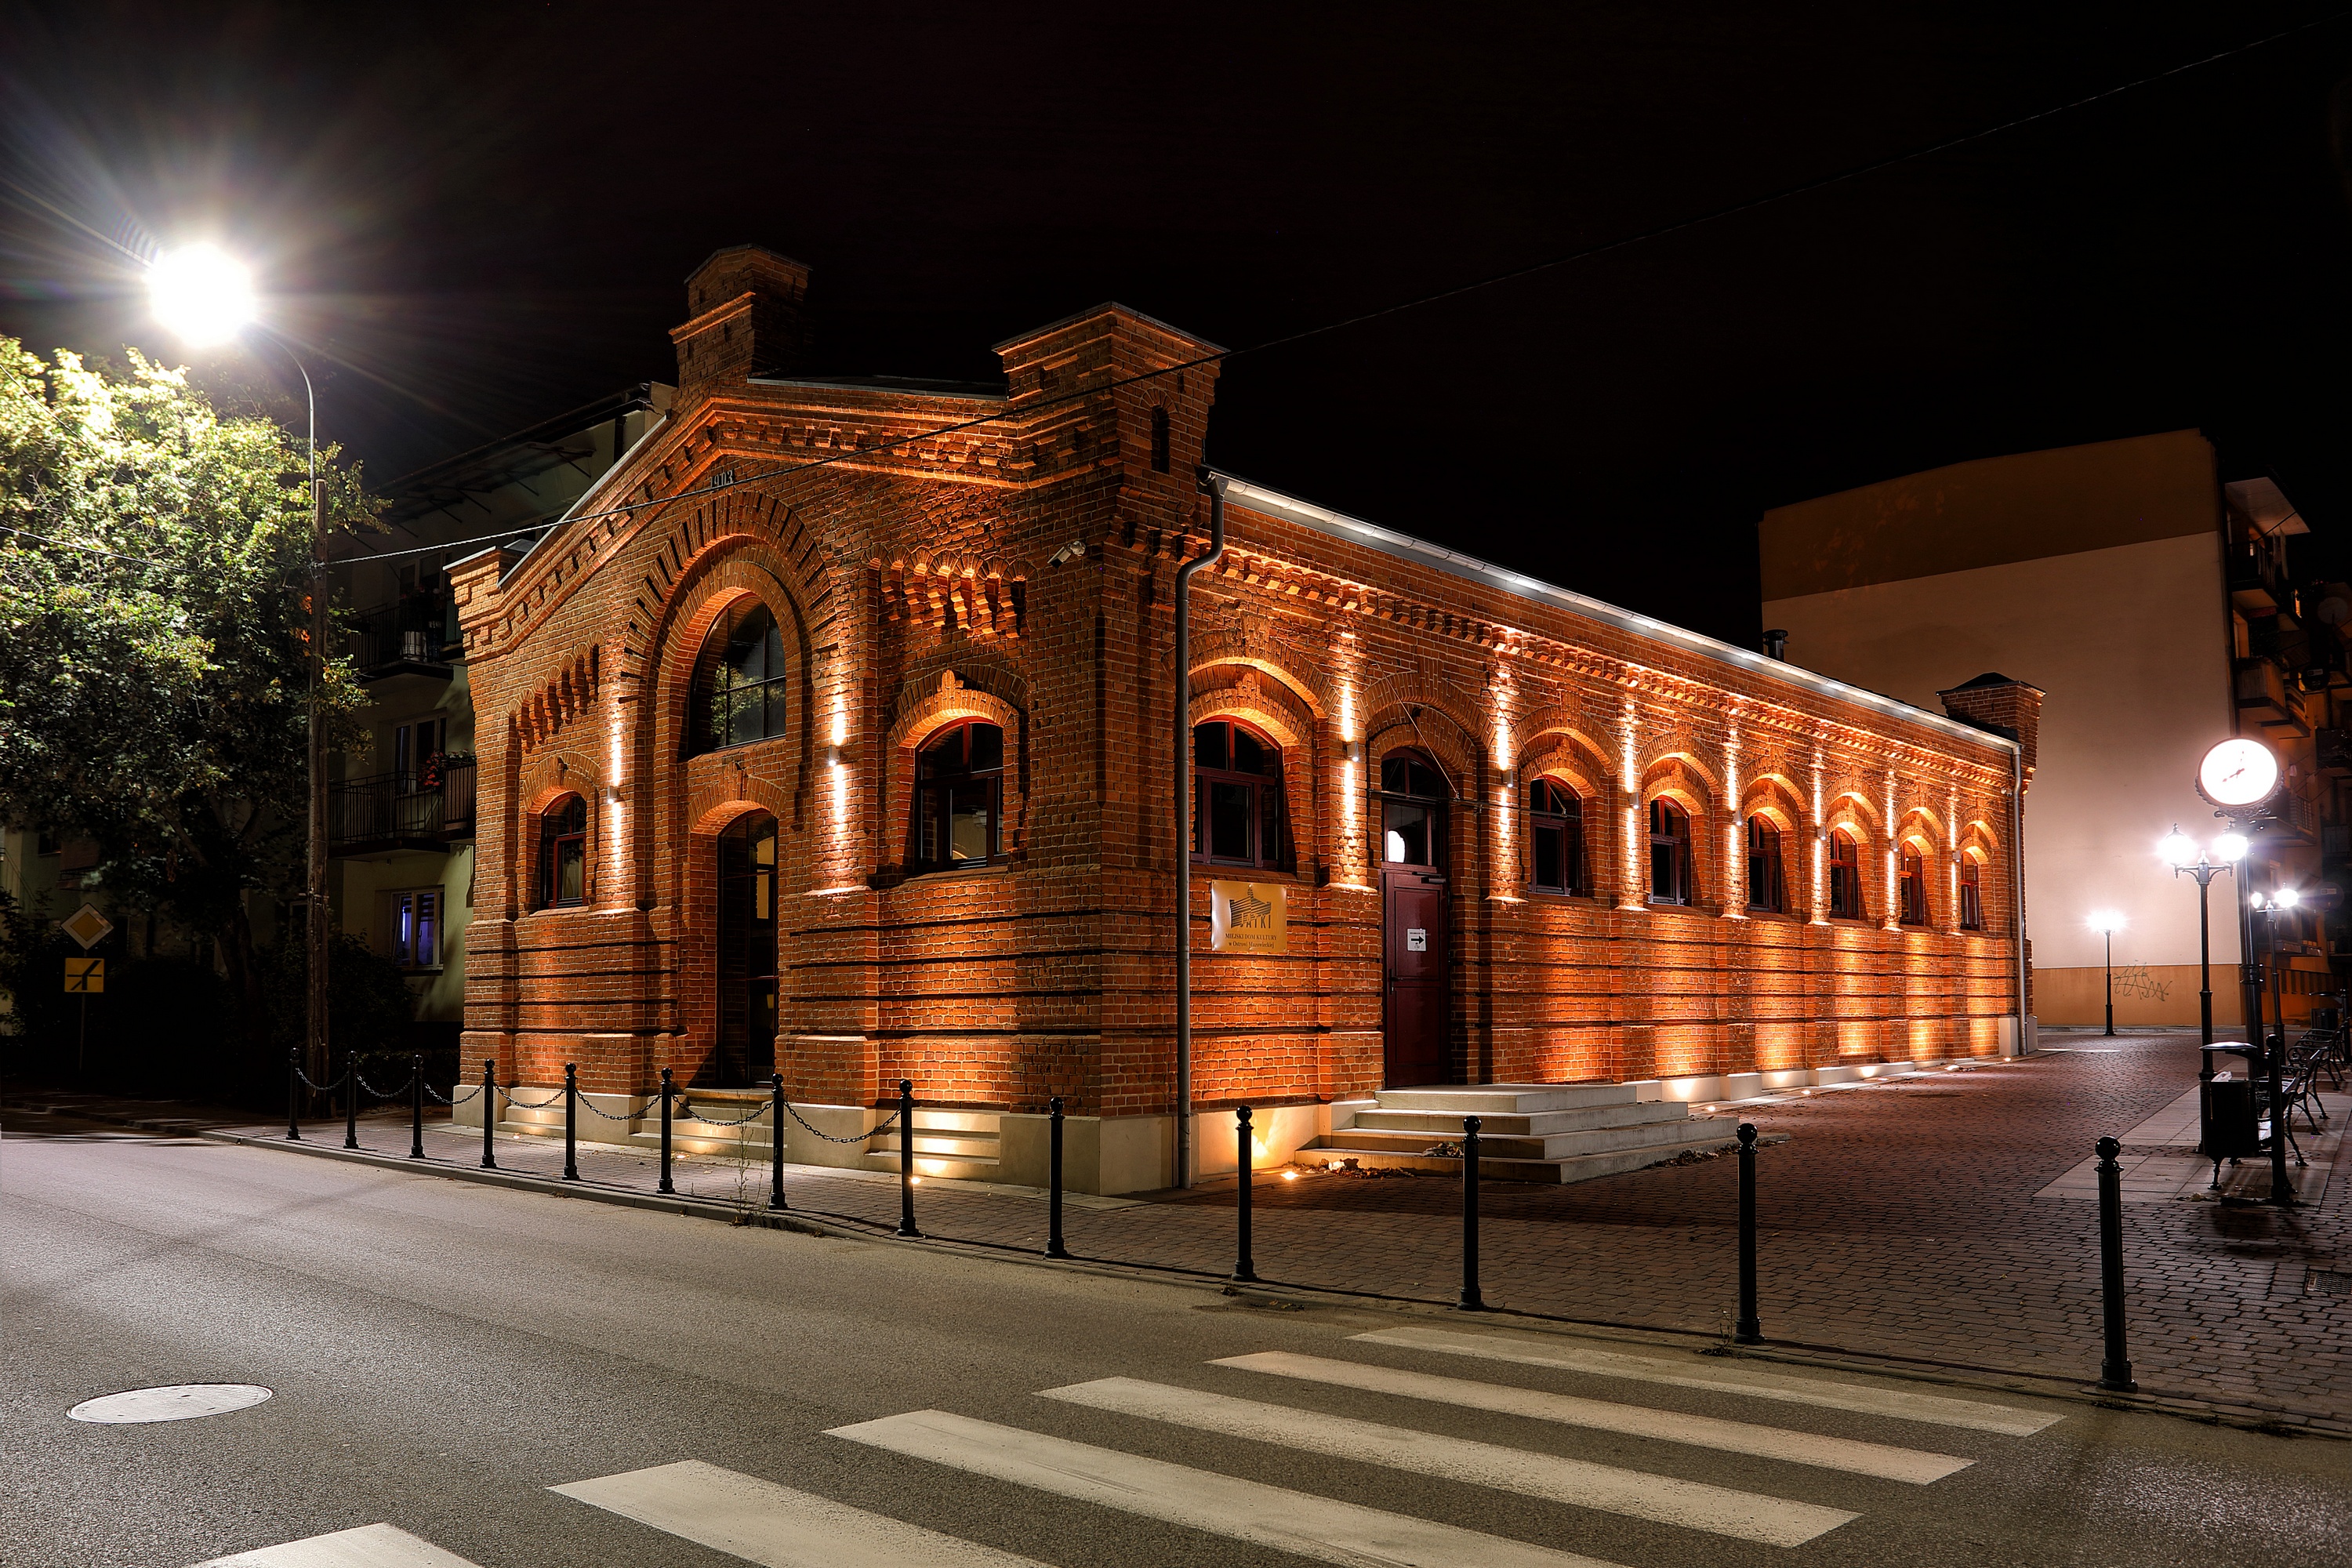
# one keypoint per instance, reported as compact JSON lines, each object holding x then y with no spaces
{"x":916,"y":580}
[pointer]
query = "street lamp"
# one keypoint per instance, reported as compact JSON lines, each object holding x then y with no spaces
{"x":203,"y":295}
{"x":2181,"y":853}
{"x":2107,"y":923}
{"x":2280,"y":899}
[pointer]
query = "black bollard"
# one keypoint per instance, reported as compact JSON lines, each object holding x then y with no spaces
{"x":571,"y":1122}
{"x":1245,"y":1266}
{"x":1054,"y":1247}
{"x":352,"y":1105}
{"x":664,"y":1100}
{"x":416,"y":1109}
{"x":907,"y":1158}
{"x":1750,"y":1330}
{"x":776,"y":1141}
{"x":490,"y":1111}
{"x":1472,"y":1298}
{"x":294,"y":1092}
{"x":2115,"y":1371}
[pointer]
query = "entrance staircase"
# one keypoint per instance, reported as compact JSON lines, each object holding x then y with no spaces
{"x":1528,"y":1133}
{"x":950,"y":1145}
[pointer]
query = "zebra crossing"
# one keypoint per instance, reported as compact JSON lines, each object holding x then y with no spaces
{"x":763,"y":1521}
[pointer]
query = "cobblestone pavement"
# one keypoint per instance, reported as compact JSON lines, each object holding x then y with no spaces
{"x":1899,"y":1220}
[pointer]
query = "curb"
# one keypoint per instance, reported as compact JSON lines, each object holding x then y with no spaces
{"x":2270,"y":1420}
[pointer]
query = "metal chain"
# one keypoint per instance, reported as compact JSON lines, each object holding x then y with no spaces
{"x":881,"y":1126}
{"x":380,"y":1094}
{"x":527,"y":1105}
{"x":590,"y":1106}
{"x":324,"y":1088}
{"x":460,"y":1099}
{"x":687,"y":1113}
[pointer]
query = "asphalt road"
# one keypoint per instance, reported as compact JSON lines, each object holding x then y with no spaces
{"x":442,"y":1354}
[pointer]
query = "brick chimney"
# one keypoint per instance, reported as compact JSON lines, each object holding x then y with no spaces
{"x":2006,"y":706}
{"x":747,"y":318}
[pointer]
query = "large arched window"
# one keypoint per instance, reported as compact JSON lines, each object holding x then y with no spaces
{"x":1846,"y":876}
{"x":1555,"y":838}
{"x":959,"y":796}
{"x":1765,"y":892}
{"x":740,"y":689}
{"x":1670,"y":861}
{"x":1237,"y":818}
{"x":1913,"y":885}
{"x":564,"y":853}
{"x":1412,"y":812}
{"x":1972,"y":894}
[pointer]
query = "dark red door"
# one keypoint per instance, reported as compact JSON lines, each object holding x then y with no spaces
{"x":1418,"y":996}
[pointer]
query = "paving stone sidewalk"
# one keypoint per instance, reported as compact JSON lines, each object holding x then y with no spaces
{"x":1905,"y":1220}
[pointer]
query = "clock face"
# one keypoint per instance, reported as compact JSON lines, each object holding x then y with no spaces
{"x":2240,"y":772}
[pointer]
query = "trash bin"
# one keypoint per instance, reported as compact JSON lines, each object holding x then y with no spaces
{"x":2231,"y":1130}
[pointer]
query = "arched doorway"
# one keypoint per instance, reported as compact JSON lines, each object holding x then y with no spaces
{"x":747,"y":950}
{"x":1417,"y":992}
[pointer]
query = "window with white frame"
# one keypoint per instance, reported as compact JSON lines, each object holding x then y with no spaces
{"x":417,"y":928}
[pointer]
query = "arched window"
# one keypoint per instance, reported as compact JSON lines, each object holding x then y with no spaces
{"x":1913,"y":885}
{"x":1971,"y":895}
{"x":1846,"y":876}
{"x":1159,"y":440}
{"x":564,"y":853}
{"x":740,"y":690}
{"x":1412,"y":811}
{"x":1237,"y":816}
{"x":1555,"y":838}
{"x":1765,"y":892}
{"x":1669,"y":853}
{"x":959,"y":796}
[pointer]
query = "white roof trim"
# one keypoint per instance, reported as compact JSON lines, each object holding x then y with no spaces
{"x":1258,"y":498}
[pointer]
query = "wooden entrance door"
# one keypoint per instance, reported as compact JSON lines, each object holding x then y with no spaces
{"x":1417,"y":969}
{"x":747,"y":951}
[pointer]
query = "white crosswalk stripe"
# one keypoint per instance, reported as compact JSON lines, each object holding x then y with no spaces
{"x":370,"y":1546}
{"x":1969,"y":1414}
{"x":775,"y":1526}
{"x":1663,"y":1499}
{"x":1298,"y":1523}
{"x":1877,"y":1460}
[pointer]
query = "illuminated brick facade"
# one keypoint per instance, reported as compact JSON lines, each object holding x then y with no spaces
{"x":1021,"y":571}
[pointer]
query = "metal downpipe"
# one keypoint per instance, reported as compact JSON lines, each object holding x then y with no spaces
{"x":1213,"y":485}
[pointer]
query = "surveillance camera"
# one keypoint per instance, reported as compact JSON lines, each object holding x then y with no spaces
{"x":1070,"y":551}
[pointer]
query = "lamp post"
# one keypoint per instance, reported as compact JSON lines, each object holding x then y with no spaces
{"x":2107,"y":923}
{"x":2275,"y":1047}
{"x":2183,"y":854}
{"x":202,"y":297}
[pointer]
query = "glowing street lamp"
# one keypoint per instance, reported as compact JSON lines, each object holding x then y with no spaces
{"x":2107,"y":923}
{"x":203,"y":295}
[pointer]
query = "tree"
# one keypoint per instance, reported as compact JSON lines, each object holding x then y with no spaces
{"x":153,"y":639}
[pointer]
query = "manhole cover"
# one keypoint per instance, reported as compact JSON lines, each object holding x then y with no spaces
{"x":178,"y":1402}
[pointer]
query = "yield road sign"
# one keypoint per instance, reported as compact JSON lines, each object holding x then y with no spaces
{"x":87,"y":926}
{"x":84,"y":976}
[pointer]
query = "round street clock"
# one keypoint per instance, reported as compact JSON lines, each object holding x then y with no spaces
{"x":2239,"y":772}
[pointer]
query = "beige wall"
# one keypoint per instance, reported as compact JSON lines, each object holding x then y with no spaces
{"x":2129,"y":645}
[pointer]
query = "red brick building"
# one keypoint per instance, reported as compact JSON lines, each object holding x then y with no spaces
{"x":834,"y":734}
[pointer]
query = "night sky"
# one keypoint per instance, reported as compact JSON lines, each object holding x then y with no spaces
{"x":484,"y":215}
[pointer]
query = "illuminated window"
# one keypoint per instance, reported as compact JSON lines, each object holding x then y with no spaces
{"x":740,"y":692}
{"x":1846,"y":876}
{"x":564,"y":853}
{"x":1669,"y":853}
{"x":1238,"y":818}
{"x":1913,"y":885}
{"x":1765,"y":892}
{"x":1972,"y":896}
{"x":417,"y":929}
{"x":1555,"y":838}
{"x":959,"y":796}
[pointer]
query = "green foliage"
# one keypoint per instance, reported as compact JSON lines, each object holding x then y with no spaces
{"x":155,"y":698}
{"x":369,"y":1006}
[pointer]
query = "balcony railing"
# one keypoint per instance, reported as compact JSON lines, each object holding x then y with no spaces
{"x":424,"y":809}
{"x":414,"y":631}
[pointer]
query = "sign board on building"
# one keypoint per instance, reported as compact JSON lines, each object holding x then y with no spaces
{"x":87,"y":926}
{"x":85,"y":977}
{"x":1249,"y":917}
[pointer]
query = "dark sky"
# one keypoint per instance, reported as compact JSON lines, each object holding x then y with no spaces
{"x":485,"y":213}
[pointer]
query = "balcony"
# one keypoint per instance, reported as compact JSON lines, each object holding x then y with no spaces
{"x":429,"y":809}
{"x":413,"y":635}
{"x":2263,"y":697}
{"x":2257,"y":577}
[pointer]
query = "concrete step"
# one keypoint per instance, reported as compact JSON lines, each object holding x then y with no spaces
{"x":1671,"y":1136}
{"x":959,"y":1145}
{"x":1539,"y":1123}
{"x":1575,"y":1168}
{"x":1507,"y":1099}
